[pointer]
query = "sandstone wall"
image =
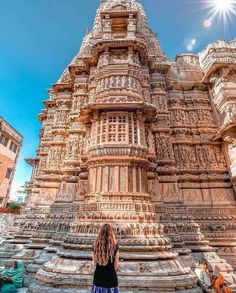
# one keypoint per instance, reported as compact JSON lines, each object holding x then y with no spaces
{"x":6,"y":222}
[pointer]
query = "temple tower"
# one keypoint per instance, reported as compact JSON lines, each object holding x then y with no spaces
{"x":115,"y":97}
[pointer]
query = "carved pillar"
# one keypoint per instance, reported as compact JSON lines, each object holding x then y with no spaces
{"x":107,"y":31}
{"x":132,"y":28}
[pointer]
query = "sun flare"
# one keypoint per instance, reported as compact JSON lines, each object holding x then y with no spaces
{"x":221,"y":10}
{"x":223,"y":5}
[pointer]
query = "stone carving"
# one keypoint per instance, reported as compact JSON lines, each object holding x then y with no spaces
{"x":160,"y":101}
{"x":178,"y":117}
{"x":164,"y":148}
{"x":67,"y":191}
{"x":207,"y":156}
{"x":55,"y":157}
{"x":118,"y":83}
{"x":60,"y":117}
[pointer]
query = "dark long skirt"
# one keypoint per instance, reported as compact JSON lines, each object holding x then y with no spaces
{"x":96,"y":289}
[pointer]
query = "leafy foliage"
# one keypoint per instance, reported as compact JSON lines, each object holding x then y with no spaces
{"x":14,"y":207}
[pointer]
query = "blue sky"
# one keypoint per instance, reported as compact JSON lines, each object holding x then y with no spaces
{"x":38,"y":38}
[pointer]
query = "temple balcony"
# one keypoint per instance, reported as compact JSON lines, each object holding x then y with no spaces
{"x":216,"y":55}
{"x":224,"y":92}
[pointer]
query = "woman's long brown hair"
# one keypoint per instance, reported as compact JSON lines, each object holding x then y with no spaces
{"x":105,"y":244}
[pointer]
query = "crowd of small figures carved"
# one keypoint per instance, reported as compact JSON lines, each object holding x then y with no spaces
{"x":186,"y":156}
{"x":122,"y":231}
{"x":160,"y":244}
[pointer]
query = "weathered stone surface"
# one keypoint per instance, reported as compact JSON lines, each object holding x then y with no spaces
{"x":34,"y":288}
{"x":6,"y":222}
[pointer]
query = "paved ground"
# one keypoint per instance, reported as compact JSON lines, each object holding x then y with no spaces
{"x":22,"y":290}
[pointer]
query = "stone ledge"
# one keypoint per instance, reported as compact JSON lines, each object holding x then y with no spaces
{"x":23,"y":290}
{"x":35,"y":288}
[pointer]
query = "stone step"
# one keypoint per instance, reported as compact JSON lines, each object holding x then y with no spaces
{"x":22,"y":290}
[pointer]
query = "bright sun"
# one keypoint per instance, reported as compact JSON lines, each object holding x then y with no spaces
{"x":222,"y":10}
{"x":223,"y":5}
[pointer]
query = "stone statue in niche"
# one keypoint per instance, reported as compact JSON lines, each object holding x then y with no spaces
{"x":200,"y":157}
{"x":113,"y":82}
{"x":204,"y":116}
{"x":130,"y":55}
{"x":224,"y":73}
{"x":193,"y":117}
{"x":76,"y":104}
{"x":124,"y":81}
{"x":230,"y":113}
{"x":46,"y":196}
{"x":74,"y":149}
{"x":150,"y":142}
{"x":190,"y":156}
{"x":68,"y":149}
{"x":178,"y":117}
{"x":160,"y":102}
{"x":67,"y":191}
{"x":107,"y":22}
{"x":137,"y":58}
{"x":60,"y":117}
{"x":146,"y":95}
{"x":164,"y":148}
{"x":55,"y":157}
{"x":92,"y":96}
{"x":83,"y":187}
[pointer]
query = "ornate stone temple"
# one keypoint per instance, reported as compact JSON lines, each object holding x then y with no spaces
{"x":131,"y":138}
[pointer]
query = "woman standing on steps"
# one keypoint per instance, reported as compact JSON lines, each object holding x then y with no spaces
{"x":106,"y":259}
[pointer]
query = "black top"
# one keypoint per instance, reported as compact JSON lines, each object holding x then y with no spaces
{"x":105,"y":276}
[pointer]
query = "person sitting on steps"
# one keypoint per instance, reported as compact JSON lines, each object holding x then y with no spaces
{"x":204,"y":276}
{"x":12,"y":279}
{"x":218,"y":282}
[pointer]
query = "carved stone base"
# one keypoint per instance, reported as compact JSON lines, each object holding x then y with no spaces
{"x":35,"y":288}
{"x":229,"y":254}
{"x":8,"y":250}
{"x":214,"y":260}
{"x":218,"y":224}
{"x":134,"y":276}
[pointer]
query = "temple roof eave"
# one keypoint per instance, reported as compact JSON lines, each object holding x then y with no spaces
{"x":214,"y":67}
{"x":101,"y":44}
{"x":187,"y":85}
{"x":148,"y":110}
{"x":62,"y":86}
{"x":42,"y":115}
{"x":49,"y":103}
{"x":226,"y":133}
{"x":31,"y":161}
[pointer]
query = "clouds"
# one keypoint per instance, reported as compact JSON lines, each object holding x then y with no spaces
{"x":190,"y":44}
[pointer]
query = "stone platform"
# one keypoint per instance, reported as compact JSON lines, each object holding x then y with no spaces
{"x":23,"y":290}
{"x":62,"y":290}
{"x":34,"y":288}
